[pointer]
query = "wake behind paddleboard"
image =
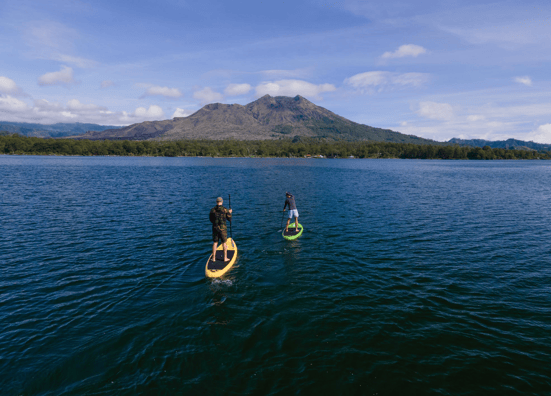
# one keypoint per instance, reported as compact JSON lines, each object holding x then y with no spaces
{"x":215,"y":269}
{"x":292,"y":233}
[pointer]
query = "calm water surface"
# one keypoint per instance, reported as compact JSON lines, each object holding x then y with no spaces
{"x":411,"y":277}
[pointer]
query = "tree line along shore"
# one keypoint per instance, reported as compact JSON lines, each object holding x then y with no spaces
{"x":17,"y":144}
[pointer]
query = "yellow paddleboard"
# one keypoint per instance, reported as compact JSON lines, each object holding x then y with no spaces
{"x":215,"y":269}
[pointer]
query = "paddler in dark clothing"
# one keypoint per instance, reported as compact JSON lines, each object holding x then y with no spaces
{"x":290,"y":201}
{"x":218,"y":216}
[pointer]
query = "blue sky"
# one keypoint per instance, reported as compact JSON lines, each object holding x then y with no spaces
{"x":435,"y":69}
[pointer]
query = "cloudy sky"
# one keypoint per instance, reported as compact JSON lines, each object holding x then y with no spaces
{"x":436,"y":69}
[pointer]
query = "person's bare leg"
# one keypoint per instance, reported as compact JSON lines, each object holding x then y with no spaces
{"x":287,"y":226}
{"x":214,"y":246}
{"x":296,"y":223}
{"x":226,"y":251}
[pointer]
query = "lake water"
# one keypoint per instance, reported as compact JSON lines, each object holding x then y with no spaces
{"x":411,"y":277}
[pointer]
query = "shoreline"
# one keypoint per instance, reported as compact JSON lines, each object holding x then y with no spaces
{"x":290,"y":158}
{"x":307,"y":149}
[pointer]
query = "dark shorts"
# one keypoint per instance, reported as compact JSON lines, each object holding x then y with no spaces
{"x":219,"y":236}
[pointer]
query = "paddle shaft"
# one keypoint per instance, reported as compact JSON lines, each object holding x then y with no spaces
{"x":231,"y":235}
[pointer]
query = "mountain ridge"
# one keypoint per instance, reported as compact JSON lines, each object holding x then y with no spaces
{"x":51,"y":130}
{"x":267,"y":118}
{"x":506,"y":144}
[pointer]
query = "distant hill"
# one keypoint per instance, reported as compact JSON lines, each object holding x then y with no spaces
{"x":267,"y":118}
{"x":507,"y":144}
{"x":52,"y":130}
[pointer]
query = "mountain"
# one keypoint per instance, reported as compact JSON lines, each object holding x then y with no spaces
{"x":266,"y":118}
{"x":506,"y":144}
{"x":53,"y":130}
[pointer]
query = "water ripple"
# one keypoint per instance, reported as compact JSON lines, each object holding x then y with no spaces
{"x":417,"y":277}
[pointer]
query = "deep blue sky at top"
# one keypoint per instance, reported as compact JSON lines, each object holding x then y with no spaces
{"x":437,"y":69}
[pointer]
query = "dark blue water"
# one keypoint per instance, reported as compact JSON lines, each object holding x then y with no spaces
{"x":411,"y":277}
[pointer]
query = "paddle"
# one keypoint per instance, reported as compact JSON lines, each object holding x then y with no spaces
{"x":231,"y":236}
{"x":281,"y":226}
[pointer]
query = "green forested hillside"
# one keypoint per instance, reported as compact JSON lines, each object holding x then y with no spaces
{"x":507,"y":144}
{"x":336,"y":129}
{"x":15,"y":144}
{"x":51,"y":130}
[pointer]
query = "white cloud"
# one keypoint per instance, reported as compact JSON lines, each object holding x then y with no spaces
{"x":9,"y":105}
{"x":541,"y":135}
{"x":475,"y":118}
{"x":436,"y":111}
{"x":367,"y":79}
{"x":371,"y":80}
{"x":207,"y":95}
{"x":78,"y":62}
{"x":530,"y":110}
{"x":62,"y":77}
{"x":505,"y":33}
{"x":237,"y":89}
{"x":413,"y":79}
{"x":153,"y":112}
{"x":444,"y":130}
{"x":493,"y":114}
{"x":181,"y":113}
{"x":68,"y":114}
{"x":524,"y":80}
{"x":442,"y":121}
{"x":46,"y":112}
{"x":167,"y":92}
{"x":54,"y":41}
{"x":8,"y":86}
{"x":107,"y":83}
{"x":293,"y":88}
{"x":44,"y":105}
{"x":75,"y":105}
{"x":405,"y":50}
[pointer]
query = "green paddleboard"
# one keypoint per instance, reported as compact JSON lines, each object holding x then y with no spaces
{"x":292,"y":233}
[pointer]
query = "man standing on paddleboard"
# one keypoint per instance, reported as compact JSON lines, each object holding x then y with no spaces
{"x":292,"y":210}
{"x":218,"y":216}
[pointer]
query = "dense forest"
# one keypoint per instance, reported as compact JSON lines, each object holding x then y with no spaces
{"x":16,"y":144}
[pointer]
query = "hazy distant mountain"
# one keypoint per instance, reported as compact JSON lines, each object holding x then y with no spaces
{"x":53,"y":130}
{"x":266,"y":118}
{"x":509,"y":144}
